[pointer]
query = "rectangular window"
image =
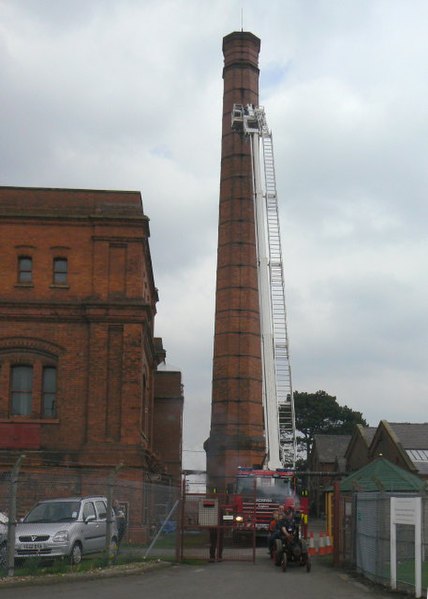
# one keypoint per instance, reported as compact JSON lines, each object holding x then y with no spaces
{"x":89,"y":511}
{"x":25,"y":269}
{"x":49,"y":392}
{"x":101,"y":509}
{"x":22,"y":390}
{"x":60,"y":269}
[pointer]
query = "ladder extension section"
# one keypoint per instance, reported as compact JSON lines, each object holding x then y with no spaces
{"x":284,"y":391}
{"x":253,"y":123}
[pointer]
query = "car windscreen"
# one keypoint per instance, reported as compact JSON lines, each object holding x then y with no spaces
{"x":54,"y":511}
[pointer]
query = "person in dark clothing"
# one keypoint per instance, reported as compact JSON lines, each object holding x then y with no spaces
{"x":120,"y":520}
{"x":276,"y":534}
{"x":216,"y":533}
{"x":288,"y":525}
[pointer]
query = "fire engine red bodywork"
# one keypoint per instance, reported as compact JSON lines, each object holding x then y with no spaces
{"x":253,"y":508}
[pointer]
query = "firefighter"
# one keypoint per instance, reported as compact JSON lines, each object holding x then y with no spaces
{"x":288,"y":524}
{"x":276,"y":533}
{"x":271,"y":530}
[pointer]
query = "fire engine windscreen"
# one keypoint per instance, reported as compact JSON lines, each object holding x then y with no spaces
{"x":276,"y":489}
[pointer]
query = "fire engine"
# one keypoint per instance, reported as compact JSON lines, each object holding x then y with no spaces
{"x":259,"y":492}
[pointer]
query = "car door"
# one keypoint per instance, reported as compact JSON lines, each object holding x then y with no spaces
{"x":91,"y":528}
{"x":101,"y":509}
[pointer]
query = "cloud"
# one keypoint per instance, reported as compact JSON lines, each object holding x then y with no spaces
{"x":127,"y":94}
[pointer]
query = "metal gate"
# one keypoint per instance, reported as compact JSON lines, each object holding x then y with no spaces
{"x":208,"y":530}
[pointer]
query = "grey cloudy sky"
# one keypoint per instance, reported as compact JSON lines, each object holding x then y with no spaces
{"x":126,"y":94}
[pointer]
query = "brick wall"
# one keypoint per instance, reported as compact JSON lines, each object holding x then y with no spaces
{"x":96,"y":329}
{"x":168,"y":421}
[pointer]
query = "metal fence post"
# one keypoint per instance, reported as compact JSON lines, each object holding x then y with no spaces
{"x":180,"y":540}
{"x":12,"y":517}
{"x":338,"y":525}
{"x":110,"y":485}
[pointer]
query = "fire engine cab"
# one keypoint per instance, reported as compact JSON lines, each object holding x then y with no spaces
{"x":259,"y":493}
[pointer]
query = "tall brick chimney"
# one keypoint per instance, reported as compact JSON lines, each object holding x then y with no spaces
{"x":237,"y":427}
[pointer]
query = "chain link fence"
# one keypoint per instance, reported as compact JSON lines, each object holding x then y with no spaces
{"x":148,"y":510}
{"x":209,"y":531}
{"x":365,"y":539}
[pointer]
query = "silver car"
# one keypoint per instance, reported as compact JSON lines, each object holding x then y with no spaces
{"x":69,"y":527}
{"x":3,"y":539}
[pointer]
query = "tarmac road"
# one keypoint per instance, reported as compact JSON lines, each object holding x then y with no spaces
{"x":237,"y":580}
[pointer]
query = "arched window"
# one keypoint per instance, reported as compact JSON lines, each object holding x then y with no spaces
{"x":29,"y":382}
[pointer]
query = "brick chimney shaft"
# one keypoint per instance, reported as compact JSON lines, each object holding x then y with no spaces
{"x":237,"y":427}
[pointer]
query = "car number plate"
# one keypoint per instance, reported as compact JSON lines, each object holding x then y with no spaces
{"x":32,"y":545}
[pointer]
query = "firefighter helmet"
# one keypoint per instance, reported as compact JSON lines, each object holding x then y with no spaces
{"x":289,"y":504}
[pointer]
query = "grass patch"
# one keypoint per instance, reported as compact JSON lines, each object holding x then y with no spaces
{"x":128,"y":554}
{"x":41,"y":567}
{"x":406,"y":572}
{"x":191,"y":538}
{"x":194,"y":562}
{"x":165,"y":542}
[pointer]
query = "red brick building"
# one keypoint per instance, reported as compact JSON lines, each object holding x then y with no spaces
{"x":78,"y":357}
{"x":168,"y":417}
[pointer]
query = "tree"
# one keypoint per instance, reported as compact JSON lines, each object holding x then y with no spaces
{"x":319,"y":413}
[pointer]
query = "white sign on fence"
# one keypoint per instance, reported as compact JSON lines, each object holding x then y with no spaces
{"x":208,"y":512}
{"x":407,"y":510}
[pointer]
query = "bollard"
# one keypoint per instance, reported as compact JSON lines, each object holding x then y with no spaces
{"x":311,"y":549}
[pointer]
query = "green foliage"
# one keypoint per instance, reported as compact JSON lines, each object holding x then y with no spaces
{"x":319,"y":413}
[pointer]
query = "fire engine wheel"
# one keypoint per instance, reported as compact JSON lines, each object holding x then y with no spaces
{"x":284,"y":562}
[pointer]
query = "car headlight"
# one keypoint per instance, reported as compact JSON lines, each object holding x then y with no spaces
{"x":61,"y":537}
{"x":239,"y":519}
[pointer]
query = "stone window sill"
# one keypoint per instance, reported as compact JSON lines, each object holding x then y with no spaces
{"x":28,"y":420}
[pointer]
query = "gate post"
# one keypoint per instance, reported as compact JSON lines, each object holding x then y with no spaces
{"x":336,"y":524}
{"x":110,"y":484}
{"x":12,"y":516}
{"x":180,"y":529}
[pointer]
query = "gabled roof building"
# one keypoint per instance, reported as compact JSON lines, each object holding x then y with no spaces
{"x":326,"y":462}
{"x":328,"y":453}
{"x":403,"y":443}
{"x":357,"y":452}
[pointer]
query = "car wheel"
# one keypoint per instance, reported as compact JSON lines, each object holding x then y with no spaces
{"x":76,"y":554}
